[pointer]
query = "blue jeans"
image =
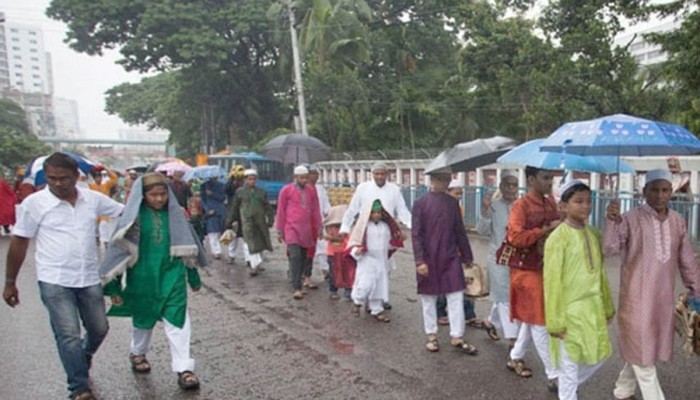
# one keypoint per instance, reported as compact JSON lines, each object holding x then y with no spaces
{"x":67,"y":307}
{"x":468,"y":308}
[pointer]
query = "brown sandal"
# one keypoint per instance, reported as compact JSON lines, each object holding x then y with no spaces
{"x":84,"y":395}
{"x":356,"y":309}
{"x":465,"y":348}
{"x":432,"y":345}
{"x":519,"y":368}
{"x":381,"y":317}
{"x":187,"y":380}
{"x":139,"y":364}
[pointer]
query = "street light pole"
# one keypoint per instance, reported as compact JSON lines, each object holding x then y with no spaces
{"x":297,"y":69}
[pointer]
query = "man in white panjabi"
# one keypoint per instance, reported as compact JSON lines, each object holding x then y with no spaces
{"x":378,"y":189}
{"x":493,"y":222}
{"x":320,"y":256}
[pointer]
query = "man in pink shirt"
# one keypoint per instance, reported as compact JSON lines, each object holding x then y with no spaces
{"x":298,"y":223}
{"x":653,"y":243}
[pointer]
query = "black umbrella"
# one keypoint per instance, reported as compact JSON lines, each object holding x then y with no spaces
{"x":469,"y":156}
{"x":295,"y":148}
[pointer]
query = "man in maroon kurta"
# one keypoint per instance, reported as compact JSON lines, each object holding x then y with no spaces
{"x":440,"y":247}
{"x":653,"y":243}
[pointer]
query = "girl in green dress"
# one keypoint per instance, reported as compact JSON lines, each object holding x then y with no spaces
{"x":156,"y":284}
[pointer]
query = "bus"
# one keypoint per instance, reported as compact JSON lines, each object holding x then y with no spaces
{"x":272,"y":174}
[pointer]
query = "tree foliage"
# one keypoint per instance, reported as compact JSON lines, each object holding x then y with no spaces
{"x":17,"y":144}
{"x":400,"y":74}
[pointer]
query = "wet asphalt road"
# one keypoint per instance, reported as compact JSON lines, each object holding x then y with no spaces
{"x":251,"y":340}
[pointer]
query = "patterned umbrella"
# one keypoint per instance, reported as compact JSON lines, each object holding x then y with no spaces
{"x":169,"y":167}
{"x":205,"y":172}
{"x":34,"y":172}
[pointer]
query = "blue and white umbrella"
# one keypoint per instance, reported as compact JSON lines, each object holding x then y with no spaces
{"x":622,"y":135}
{"x":529,"y":153}
{"x":34,"y":173}
{"x":205,"y":172}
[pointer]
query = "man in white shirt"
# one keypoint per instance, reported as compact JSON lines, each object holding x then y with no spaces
{"x":387,"y":193}
{"x":63,"y":220}
{"x":324,"y":204}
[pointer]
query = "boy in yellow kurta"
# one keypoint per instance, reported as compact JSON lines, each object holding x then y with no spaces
{"x":577,"y":299}
{"x":156,"y":285}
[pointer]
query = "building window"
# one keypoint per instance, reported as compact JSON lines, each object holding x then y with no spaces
{"x":32,"y":41}
{"x":18,"y":74}
{"x":33,"y":33}
{"x":35,"y":58}
{"x":35,"y":76}
{"x":15,"y":39}
{"x":18,"y":65}
{"x":33,"y":50}
{"x":17,"y":57}
{"x":15,"y":48}
{"x":13,"y":30}
{"x":37,"y":84}
{"x":35,"y":67}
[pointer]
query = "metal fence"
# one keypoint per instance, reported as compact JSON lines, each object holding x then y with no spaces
{"x":473,"y":195}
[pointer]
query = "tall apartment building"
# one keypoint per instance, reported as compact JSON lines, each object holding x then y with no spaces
{"x":25,"y":74}
{"x":644,"y":52}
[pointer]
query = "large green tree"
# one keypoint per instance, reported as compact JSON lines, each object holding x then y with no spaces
{"x":17,"y":144}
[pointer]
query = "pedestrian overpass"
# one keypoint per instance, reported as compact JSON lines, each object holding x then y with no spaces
{"x":95,"y":141}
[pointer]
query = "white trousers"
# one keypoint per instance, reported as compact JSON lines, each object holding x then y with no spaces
{"x":500,"y":318}
{"x":455,"y":312}
{"x":214,"y":244}
{"x":178,"y":339}
{"x":234,"y":245}
{"x":537,"y":334}
{"x":644,"y":376}
{"x":320,"y":256}
{"x":572,"y":374}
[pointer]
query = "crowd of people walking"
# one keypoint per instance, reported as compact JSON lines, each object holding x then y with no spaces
{"x":548,"y":282}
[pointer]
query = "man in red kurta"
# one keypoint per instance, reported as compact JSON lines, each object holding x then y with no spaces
{"x":653,"y":243}
{"x":531,"y":219}
{"x":298,"y":223}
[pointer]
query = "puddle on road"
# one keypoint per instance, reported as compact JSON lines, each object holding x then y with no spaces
{"x":341,"y":346}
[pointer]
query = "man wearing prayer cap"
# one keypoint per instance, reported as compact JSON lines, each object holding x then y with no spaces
{"x":493,"y":222}
{"x":251,"y":213}
{"x":653,"y":242}
{"x":236,"y":178}
{"x":299,"y":226}
{"x":378,"y":188}
{"x":320,"y":257}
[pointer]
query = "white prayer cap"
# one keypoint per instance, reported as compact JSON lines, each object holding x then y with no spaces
{"x":454,"y":184}
{"x":379,"y":166}
{"x":505,"y":173}
{"x":301,"y":170}
{"x":656,"y":174}
{"x":249,"y":172}
{"x":568,"y":185}
{"x":131,"y":171}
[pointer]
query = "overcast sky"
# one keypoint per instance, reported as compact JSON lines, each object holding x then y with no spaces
{"x":76,"y":76}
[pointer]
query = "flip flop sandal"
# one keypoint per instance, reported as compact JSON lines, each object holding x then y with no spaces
{"x":139,"y":364}
{"x":381,"y":317}
{"x":356,"y":309}
{"x":476,"y":324}
{"x":519,"y":368}
{"x":465,"y":348}
{"x":443,"y":321}
{"x":187,"y":380}
{"x":493,"y":334}
{"x":432,"y":345}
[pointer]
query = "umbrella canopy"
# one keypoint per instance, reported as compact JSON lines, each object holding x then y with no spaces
{"x":34,"y":172}
{"x":622,"y":135}
{"x":138,"y":168}
{"x":205,"y":172}
{"x":469,"y":156}
{"x":529,"y":154}
{"x":295,"y":148}
{"x":169,"y":167}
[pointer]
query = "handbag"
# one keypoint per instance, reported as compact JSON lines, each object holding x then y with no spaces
{"x":476,"y":279}
{"x":687,"y":324}
{"x":516,"y":257}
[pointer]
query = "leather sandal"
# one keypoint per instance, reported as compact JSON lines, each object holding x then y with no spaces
{"x":139,"y":364}
{"x":187,"y":380}
{"x":432,"y":345}
{"x":519,"y":368}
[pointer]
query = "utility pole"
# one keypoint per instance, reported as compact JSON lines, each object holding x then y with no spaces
{"x":297,"y":69}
